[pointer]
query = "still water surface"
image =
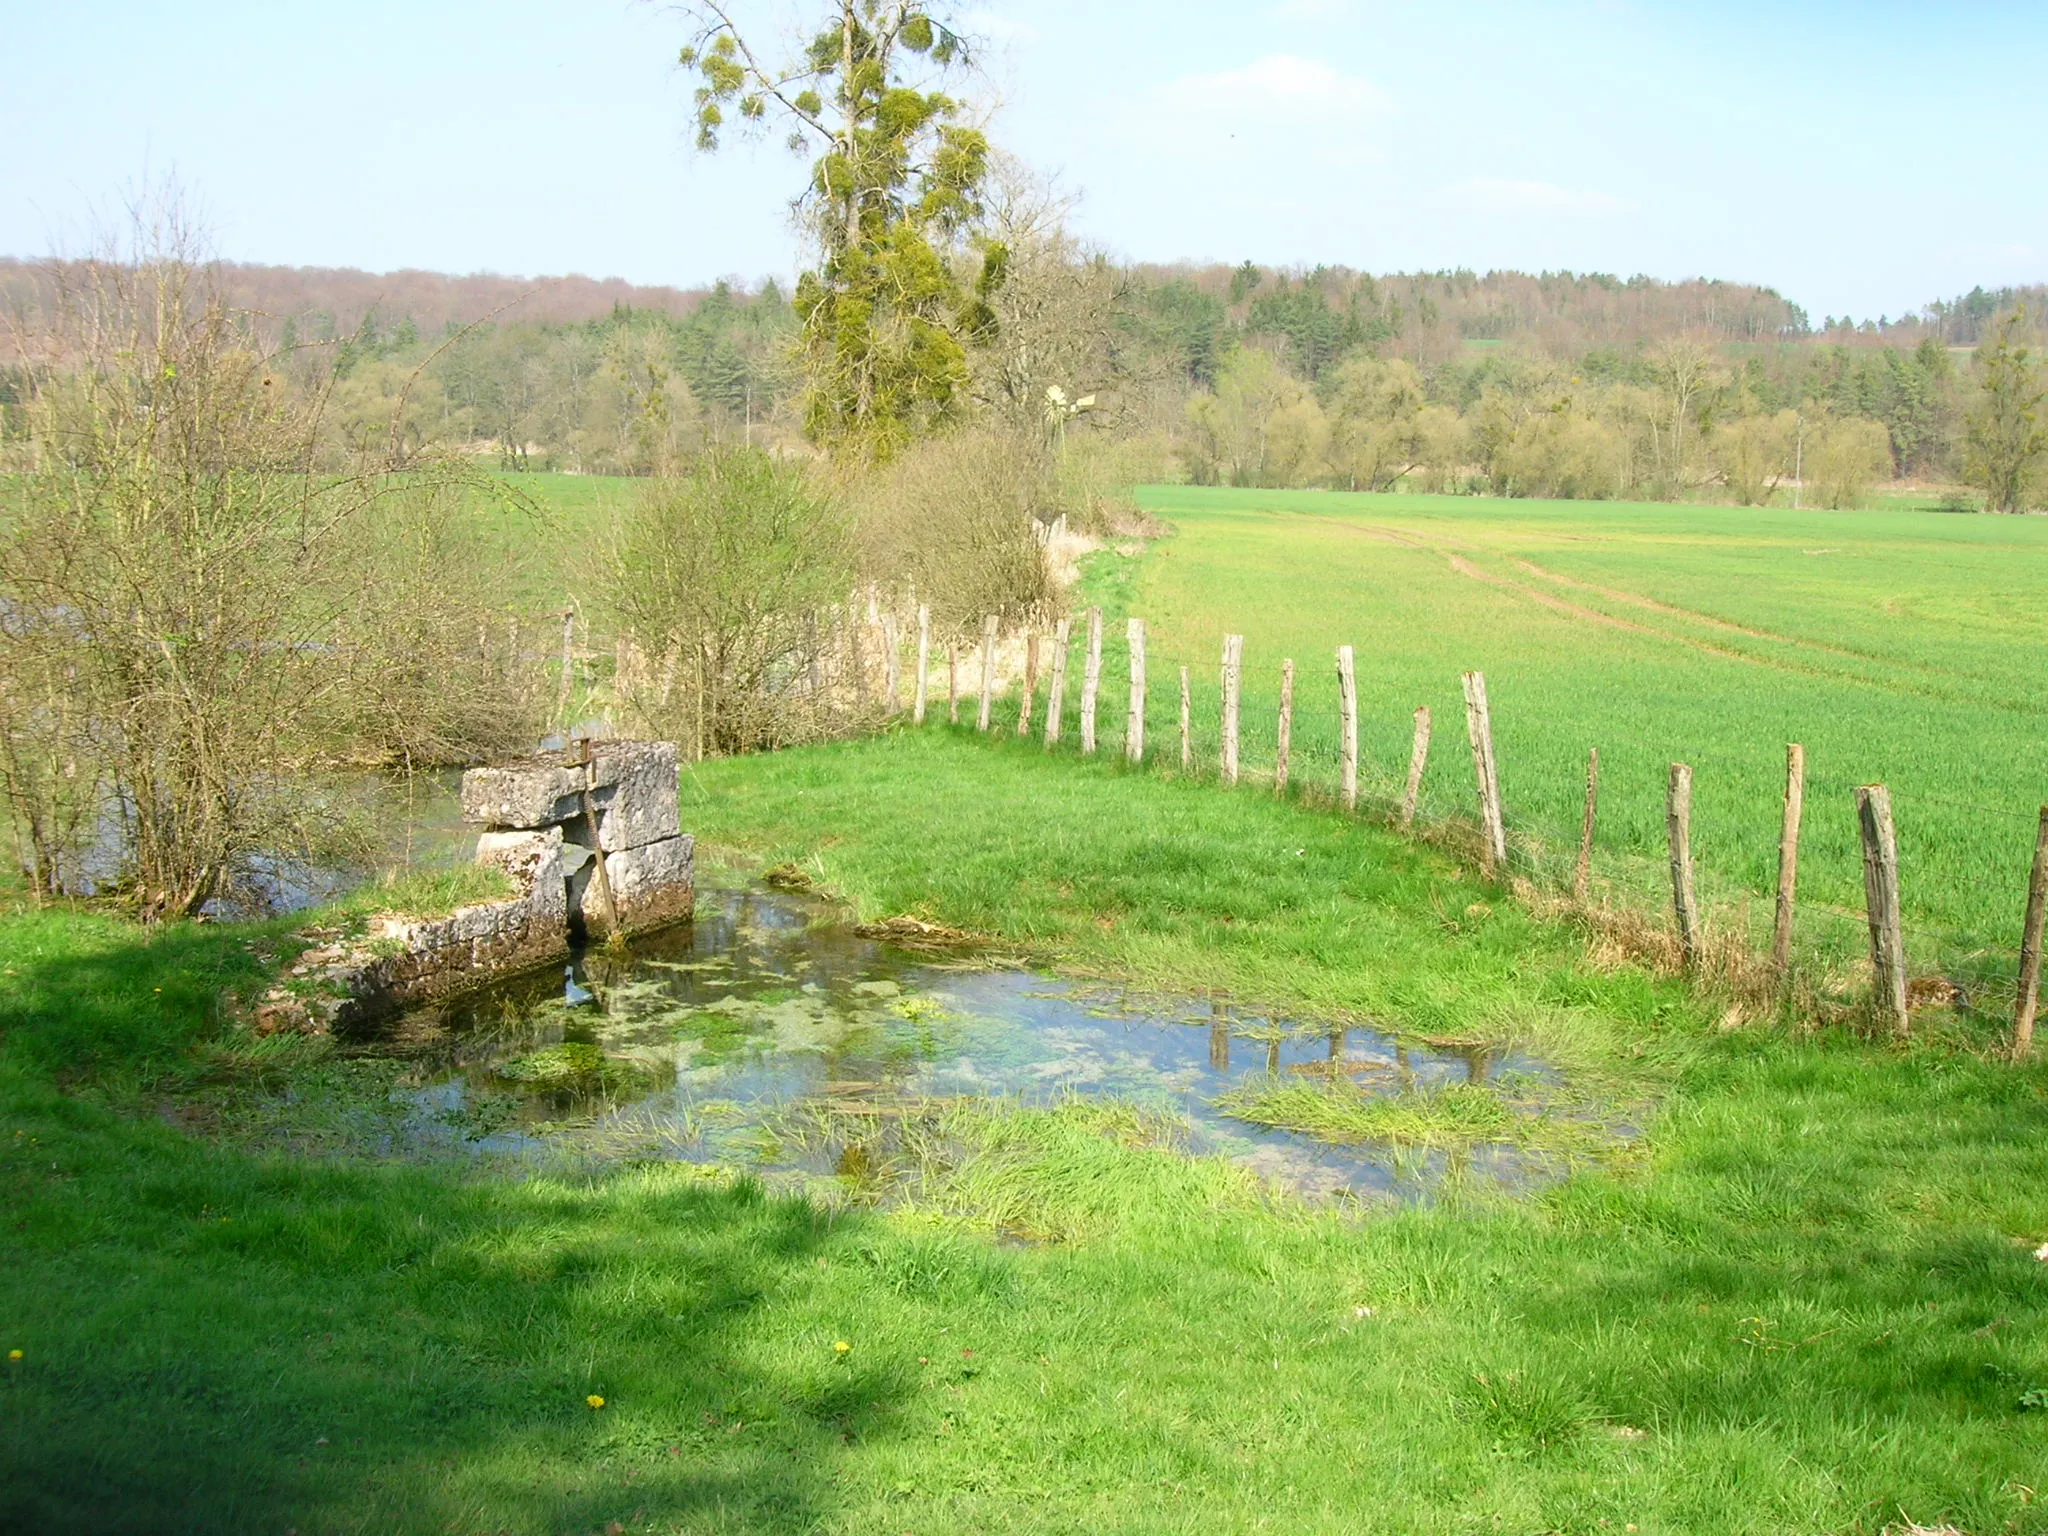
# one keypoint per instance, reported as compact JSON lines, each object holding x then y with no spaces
{"x":766,"y":1035}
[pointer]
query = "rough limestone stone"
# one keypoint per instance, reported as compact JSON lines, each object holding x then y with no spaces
{"x":642,"y":804}
{"x":633,"y":788}
{"x":534,"y":861}
{"x":652,"y":884}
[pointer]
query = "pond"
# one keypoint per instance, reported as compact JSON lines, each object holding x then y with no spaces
{"x":766,"y":1035}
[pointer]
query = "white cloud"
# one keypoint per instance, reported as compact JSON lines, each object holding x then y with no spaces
{"x":1281,"y":108}
{"x":1485,"y":194}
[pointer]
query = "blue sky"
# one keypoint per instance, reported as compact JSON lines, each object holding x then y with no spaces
{"x":1861,"y":158}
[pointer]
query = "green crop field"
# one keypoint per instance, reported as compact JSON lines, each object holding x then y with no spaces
{"x":1905,"y":647}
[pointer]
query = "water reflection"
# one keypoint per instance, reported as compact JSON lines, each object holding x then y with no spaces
{"x":765,"y":1034}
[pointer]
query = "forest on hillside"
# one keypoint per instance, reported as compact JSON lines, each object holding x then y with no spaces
{"x":1552,"y":384}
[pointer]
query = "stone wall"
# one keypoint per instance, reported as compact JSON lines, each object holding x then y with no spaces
{"x":536,"y":830}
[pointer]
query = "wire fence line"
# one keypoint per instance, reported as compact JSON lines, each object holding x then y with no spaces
{"x":1201,"y":718}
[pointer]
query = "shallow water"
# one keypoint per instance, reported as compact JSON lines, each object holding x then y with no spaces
{"x":766,"y":1035}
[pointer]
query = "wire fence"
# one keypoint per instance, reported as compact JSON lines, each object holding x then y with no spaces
{"x":1188,"y":728}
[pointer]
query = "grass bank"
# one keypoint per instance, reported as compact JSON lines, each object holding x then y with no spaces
{"x":1809,"y":1304}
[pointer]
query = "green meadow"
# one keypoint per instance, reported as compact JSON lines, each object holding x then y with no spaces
{"x":1801,"y":1297}
{"x":1899,"y":646}
{"x":1784,"y":1280}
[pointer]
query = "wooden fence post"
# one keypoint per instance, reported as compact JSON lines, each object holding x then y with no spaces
{"x":1347,"y":726}
{"x":1582,"y":877}
{"x":988,"y":670}
{"x":1030,"y":683}
{"x":1056,"y":695}
{"x":1418,"y":759}
{"x":2029,"y":998}
{"x":1187,"y":723}
{"x":1788,"y":858}
{"x":1678,"y":817}
{"x":1091,"y":679}
{"x":1881,"y":900}
{"x":568,"y":664}
{"x":1233,"y":676}
{"x":1479,"y":726}
{"x":924,"y":659}
{"x":892,"y":648}
{"x":952,"y":683}
{"x":1134,"y":730}
{"x":1285,"y":750}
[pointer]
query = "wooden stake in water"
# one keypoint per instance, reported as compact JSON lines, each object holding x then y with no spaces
{"x":1030,"y":683}
{"x":1056,"y":695}
{"x":1881,"y":901}
{"x":952,"y":683}
{"x":1788,"y":858}
{"x":1418,"y":759}
{"x":1284,"y":751}
{"x":1479,"y":727}
{"x":1347,"y":727}
{"x":1678,"y":819}
{"x":988,"y":669}
{"x":924,"y":659}
{"x":1134,"y":731}
{"x":1582,"y":877}
{"x":1091,"y":679}
{"x":2029,"y":999}
{"x":1233,"y":679}
{"x":1187,"y":723}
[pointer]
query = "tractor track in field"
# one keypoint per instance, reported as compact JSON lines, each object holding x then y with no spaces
{"x":1448,"y":551}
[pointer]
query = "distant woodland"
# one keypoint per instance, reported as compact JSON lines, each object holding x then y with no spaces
{"x":1553,"y":384}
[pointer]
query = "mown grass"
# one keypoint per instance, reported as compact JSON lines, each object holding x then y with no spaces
{"x":1810,"y":1305}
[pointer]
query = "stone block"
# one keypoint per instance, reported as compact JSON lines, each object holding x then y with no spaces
{"x":640,"y":802}
{"x":652,"y":884}
{"x":533,"y":860}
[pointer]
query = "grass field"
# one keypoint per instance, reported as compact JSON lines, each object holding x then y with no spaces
{"x":1805,"y":1303}
{"x":1899,"y":646}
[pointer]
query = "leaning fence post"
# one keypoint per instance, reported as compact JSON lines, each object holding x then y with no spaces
{"x":1233,"y":672}
{"x":1347,"y":725}
{"x":1285,"y":750}
{"x":1056,"y":695}
{"x":1582,"y":877}
{"x":988,"y":669}
{"x":1134,"y":731}
{"x":1091,"y":679}
{"x":1479,"y":726}
{"x":1418,"y":759}
{"x":924,"y":658}
{"x":1678,"y":818}
{"x":1187,"y":723}
{"x":952,"y":683}
{"x":1788,"y":858}
{"x":2029,"y":998}
{"x":1881,"y":901}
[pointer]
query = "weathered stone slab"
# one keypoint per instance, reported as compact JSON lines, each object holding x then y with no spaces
{"x":642,"y":803}
{"x":652,"y":884}
{"x":534,"y":862}
{"x":632,"y":788}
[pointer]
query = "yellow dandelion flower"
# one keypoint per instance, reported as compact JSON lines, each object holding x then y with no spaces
{"x":841,"y":1347}
{"x":594,"y":1400}
{"x":14,"y":1354}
